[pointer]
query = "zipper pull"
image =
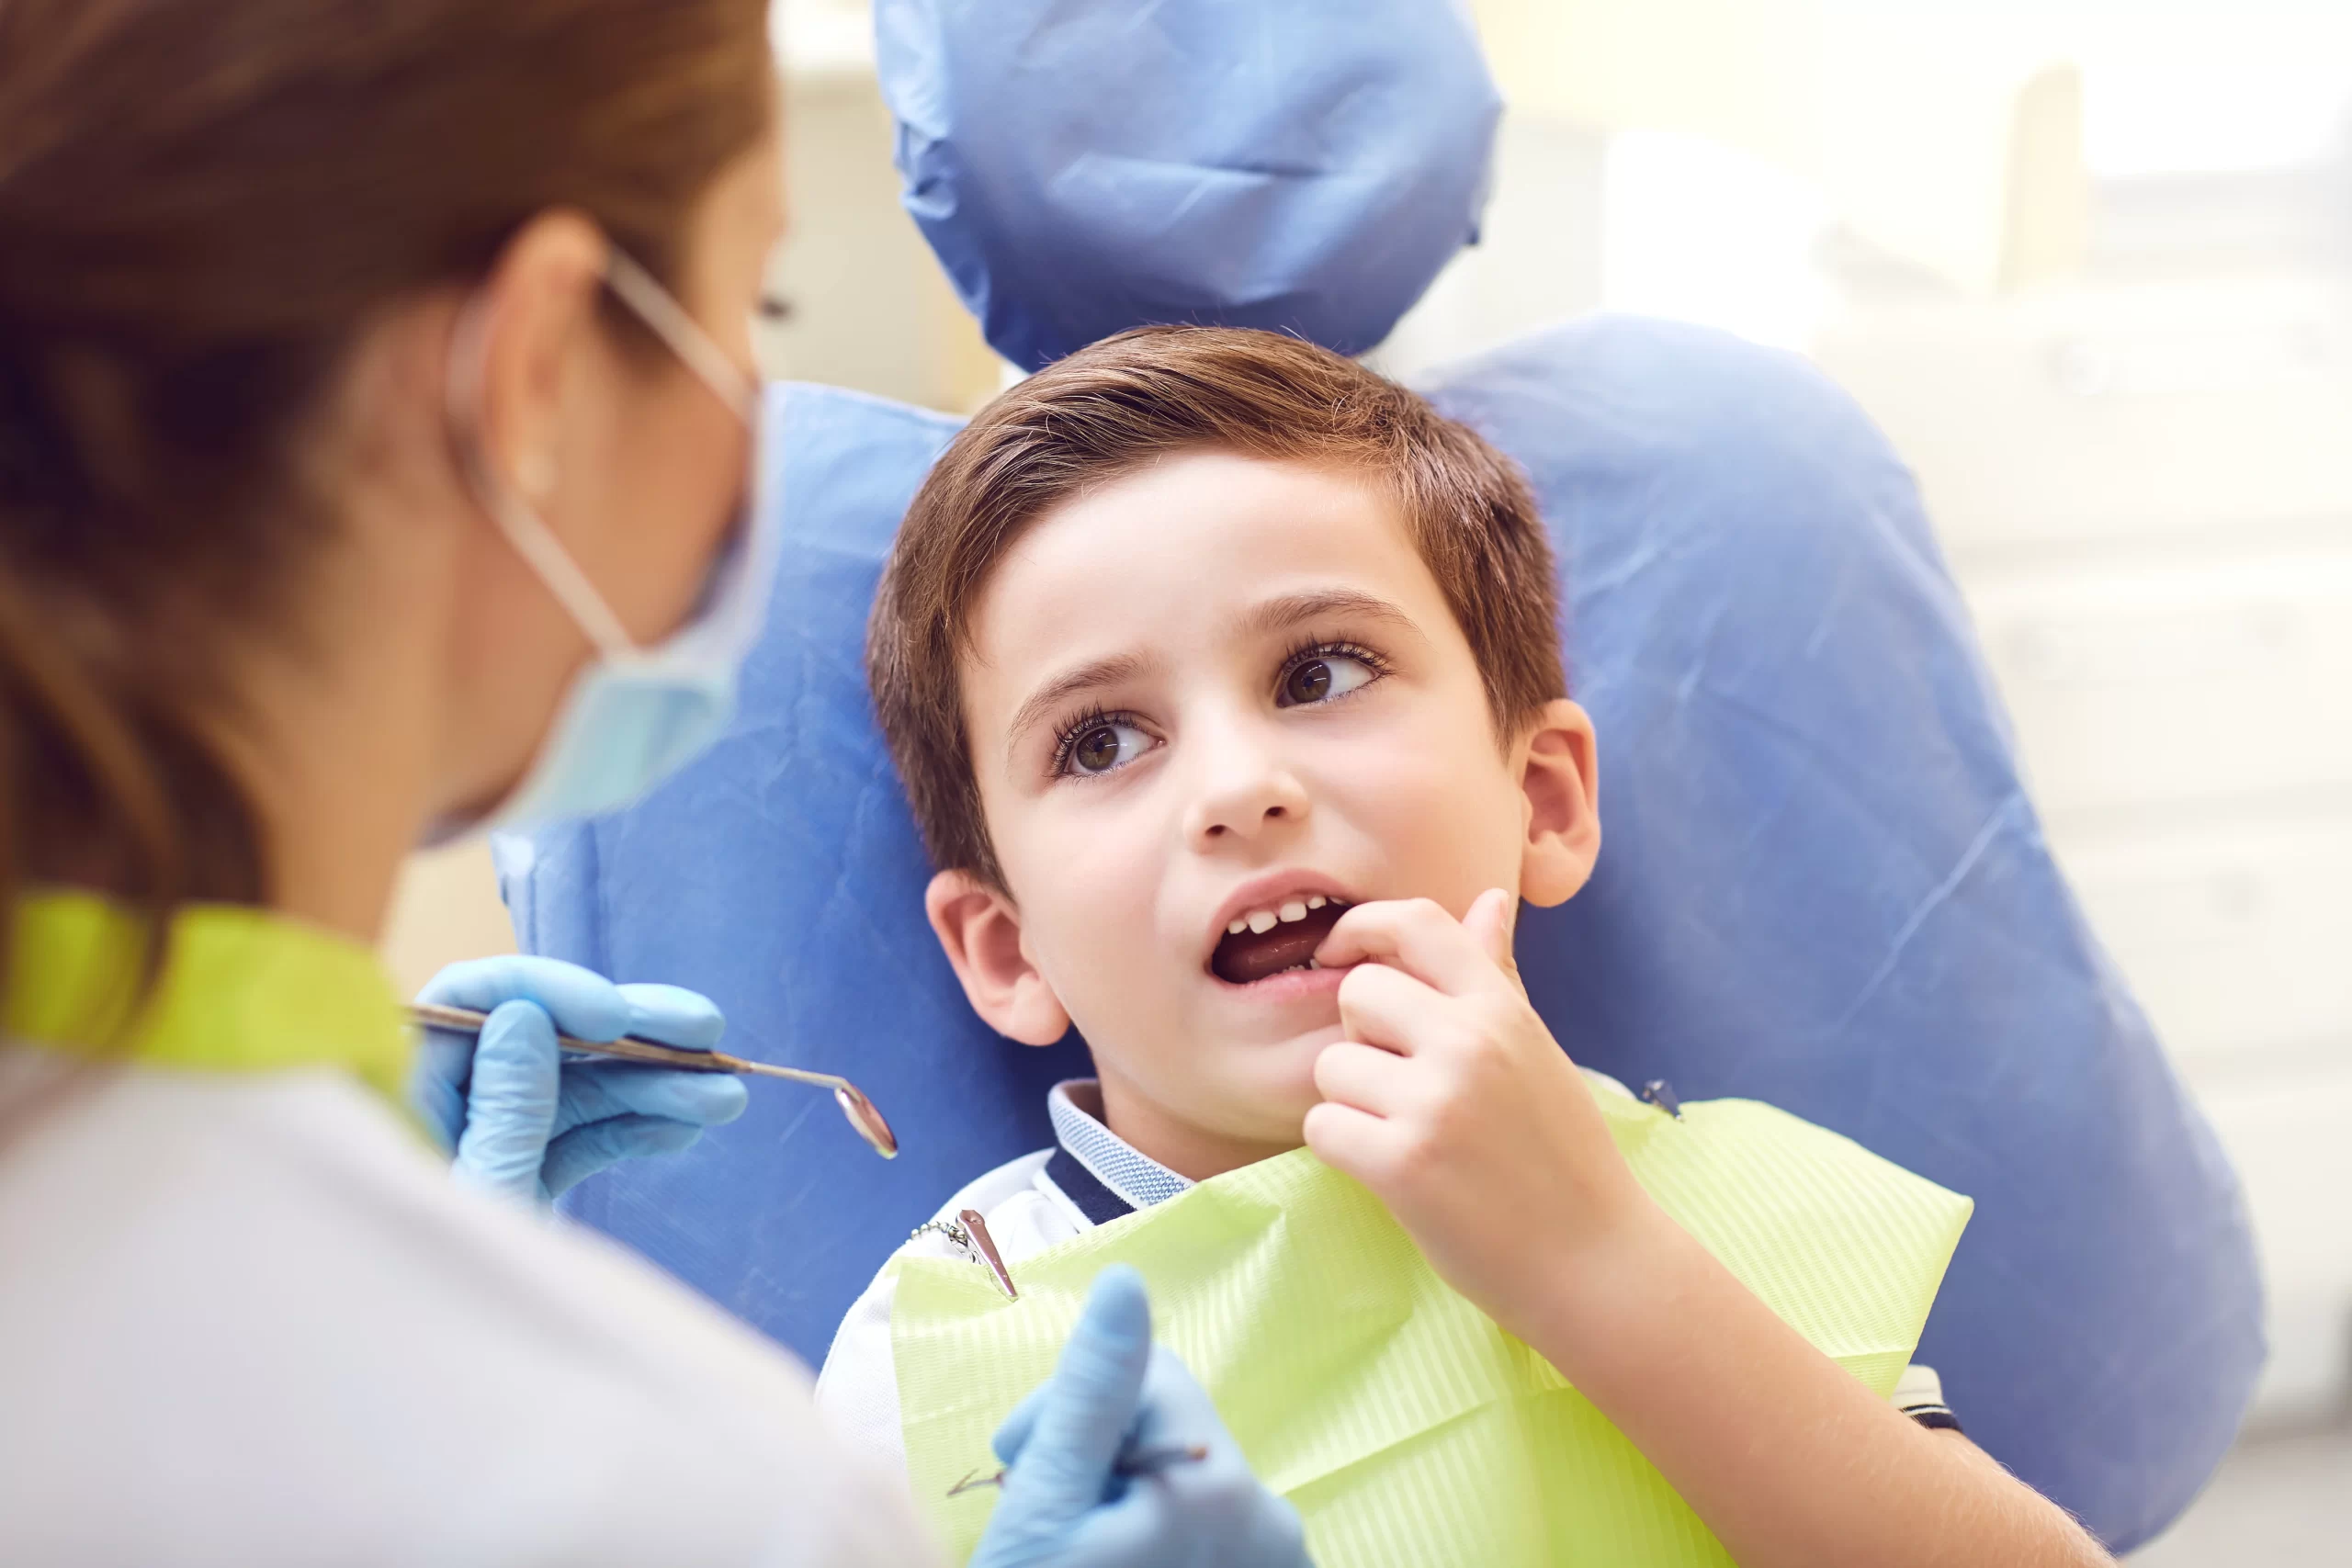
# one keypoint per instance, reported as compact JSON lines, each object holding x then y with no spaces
{"x":969,"y":1234}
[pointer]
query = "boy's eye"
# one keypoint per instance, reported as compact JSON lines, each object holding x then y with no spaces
{"x":1321,"y":678}
{"x":1104,"y":745}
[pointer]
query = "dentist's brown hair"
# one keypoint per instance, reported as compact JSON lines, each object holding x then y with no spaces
{"x":1118,"y":404}
{"x":203,"y":205}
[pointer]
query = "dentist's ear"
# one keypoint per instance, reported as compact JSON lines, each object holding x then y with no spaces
{"x":979,"y":930}
{"x":1560,"y":773}
{"x":538,"y":306}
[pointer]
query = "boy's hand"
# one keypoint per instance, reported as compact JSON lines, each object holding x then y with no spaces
{"x":1453,"y":1102}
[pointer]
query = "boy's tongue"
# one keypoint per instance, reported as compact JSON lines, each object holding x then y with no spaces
{"x":1253,"y":956}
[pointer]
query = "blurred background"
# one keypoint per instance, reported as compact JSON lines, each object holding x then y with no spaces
{"x":2089,"y":263}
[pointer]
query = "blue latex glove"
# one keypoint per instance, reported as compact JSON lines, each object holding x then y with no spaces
{"x":523,"y":1121}
{"x":1112,"y":1391}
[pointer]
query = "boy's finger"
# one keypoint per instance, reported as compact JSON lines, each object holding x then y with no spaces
{"x":1493,"y":921}
{"x":1418,"y":936}
{"x":1387,"y":1008}
{"x":1351,"y":1141}
{"x":1364,"y":1077}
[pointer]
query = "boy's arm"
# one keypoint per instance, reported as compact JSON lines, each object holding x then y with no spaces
{"x":1788,"y":1458}
{"x":1451,"y":1100}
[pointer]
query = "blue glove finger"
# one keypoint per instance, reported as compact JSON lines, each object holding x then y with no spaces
{"x":437,"y":1084}
{"x":582,"y":1002}
{"x":443,"y":1063}
{"x":593,"y":1091}
{"x":510,"y":1102}
{"x":1013,"y":1433}
{"x":1089,"y":1405}
{"x":585,"y":1151}
{"x":1175,"y":1410}
{"x":673,"y":1015}
{"x":1207,"y":1513}
{"x":597,"y":1091}
{"x":1210,"y":1515}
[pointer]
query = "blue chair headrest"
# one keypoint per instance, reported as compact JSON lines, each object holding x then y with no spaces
{"x":1822,"y":886}
{"x":1306,"y":166}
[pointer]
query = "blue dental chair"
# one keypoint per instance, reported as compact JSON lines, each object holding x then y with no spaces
{"x":1824,"y":884}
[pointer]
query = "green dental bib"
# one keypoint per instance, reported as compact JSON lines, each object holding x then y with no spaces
{"x":1407,"y":1428}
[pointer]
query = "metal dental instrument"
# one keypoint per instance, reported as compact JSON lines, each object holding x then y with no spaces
{"x":1141,"y":1462}
{"x":969,"y":1234}
{"x":860,"y":1111}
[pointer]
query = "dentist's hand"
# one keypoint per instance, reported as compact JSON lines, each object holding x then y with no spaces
{"x":1114,"y":1392}
{"x":526,"y":1124}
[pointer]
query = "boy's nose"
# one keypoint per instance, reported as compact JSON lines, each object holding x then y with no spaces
{"x":1248,"y":794}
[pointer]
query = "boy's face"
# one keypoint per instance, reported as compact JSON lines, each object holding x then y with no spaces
{"x":1214,"y":689}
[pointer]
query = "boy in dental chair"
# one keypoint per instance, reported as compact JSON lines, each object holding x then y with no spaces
{"x":1224,"y":679}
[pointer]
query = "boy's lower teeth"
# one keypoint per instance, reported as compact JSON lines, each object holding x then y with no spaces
{"x":1249,"y":956}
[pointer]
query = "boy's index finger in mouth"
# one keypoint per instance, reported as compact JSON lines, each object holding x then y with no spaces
{"x":1418,"y":936}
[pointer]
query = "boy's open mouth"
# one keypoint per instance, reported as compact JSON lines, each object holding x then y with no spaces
{"x":1267,"y":942}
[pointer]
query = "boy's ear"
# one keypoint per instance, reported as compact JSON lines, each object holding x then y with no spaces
{"x":979,"y":930}
{"x":1561,"y":775}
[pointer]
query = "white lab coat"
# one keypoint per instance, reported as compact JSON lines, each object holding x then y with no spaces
{"x":248,"y":1320}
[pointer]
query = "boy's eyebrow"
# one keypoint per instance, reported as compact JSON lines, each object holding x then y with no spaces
{"x":1105,"y":671}
{"x":1294,"y":609}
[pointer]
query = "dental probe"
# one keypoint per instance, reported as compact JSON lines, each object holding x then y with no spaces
{"x":1136,"y":1462}
{"x":861,"y":1112}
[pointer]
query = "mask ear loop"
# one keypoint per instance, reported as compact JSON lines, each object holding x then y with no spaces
{"x":658,"y":309}
{"x":524,"y":528}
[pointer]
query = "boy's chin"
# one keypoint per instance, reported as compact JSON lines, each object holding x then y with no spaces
{"x":1279,"y":1097}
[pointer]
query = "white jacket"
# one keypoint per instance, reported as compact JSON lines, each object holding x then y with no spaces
{"x":249,"y":1321}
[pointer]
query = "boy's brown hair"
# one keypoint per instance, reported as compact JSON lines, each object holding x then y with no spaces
{"x":1110,"y":408}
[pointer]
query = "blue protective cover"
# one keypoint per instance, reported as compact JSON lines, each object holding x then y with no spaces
{"x":1084,"y":167}
{"x":1822,"y":884}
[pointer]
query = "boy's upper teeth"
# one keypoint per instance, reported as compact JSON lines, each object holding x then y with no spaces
{"x":1262,"y":920}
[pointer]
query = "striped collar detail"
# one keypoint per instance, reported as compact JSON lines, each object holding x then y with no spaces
{"x":1109,"y":1173}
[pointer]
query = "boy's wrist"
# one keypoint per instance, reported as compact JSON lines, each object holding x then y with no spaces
{"x":1602,"y":1292}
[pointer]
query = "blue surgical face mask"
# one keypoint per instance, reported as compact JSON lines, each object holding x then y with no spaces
{"x":634,"y":714}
